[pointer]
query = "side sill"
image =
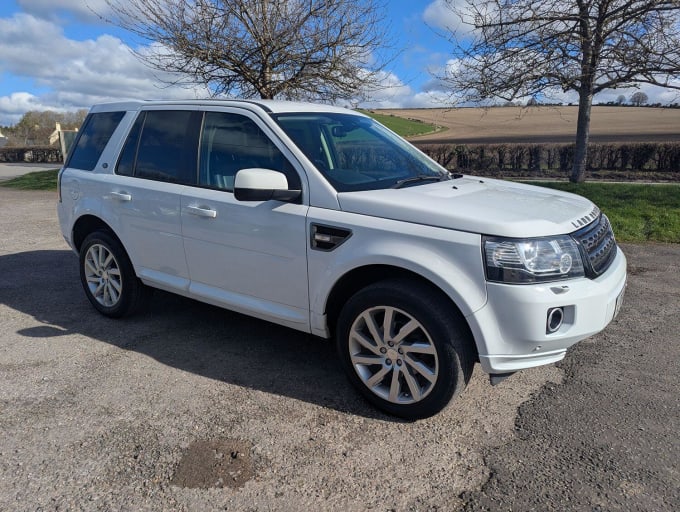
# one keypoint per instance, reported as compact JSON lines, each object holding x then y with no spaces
{"x":163,"y":281}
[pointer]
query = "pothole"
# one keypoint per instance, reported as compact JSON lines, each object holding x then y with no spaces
{"x":210,"y":464}
{"x":635,"y":270}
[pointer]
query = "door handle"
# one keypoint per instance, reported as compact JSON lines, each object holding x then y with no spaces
{"x":202,"y":212}
{"x":121,"y":196}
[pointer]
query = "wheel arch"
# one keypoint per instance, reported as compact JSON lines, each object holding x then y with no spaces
{"x":360,"y":277}
{"x":88,"y":224}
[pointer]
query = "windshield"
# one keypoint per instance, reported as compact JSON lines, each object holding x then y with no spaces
{"x":357,"y":153}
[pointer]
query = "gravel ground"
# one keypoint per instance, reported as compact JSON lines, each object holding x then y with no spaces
{"x":607,"y":438}
{"x":189,"y":407}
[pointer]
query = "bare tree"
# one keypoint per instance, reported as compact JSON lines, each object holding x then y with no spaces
{"x":34,"y":128}
{"x":638,"y":99}
{"x":525,"y":48}
{"x":621,"y":99}
{"x":321,"y":49}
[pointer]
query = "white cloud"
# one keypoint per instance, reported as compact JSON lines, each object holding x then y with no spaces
{"x":66,"y":74}
{"x":438,"y":89}
{"x":82,"y":10}
{"x":396,"y":94}
{"x":444,"y":14}
{"x":430,"y":99}
{"x":74,"y":74}
{"x":391,"y":94}
{"x":655,"y":94}
{"x":437,"y":83}
{"x":16,"y":104}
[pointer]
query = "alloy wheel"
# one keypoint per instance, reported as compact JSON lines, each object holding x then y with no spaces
{"x":393,"y":355}
{"x":103,"y":275}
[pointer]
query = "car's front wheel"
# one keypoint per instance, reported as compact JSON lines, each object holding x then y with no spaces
{"x":404,"y":347}
{"x":108,"y":277}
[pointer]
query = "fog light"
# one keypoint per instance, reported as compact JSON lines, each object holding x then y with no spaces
{"x":555,"y":319}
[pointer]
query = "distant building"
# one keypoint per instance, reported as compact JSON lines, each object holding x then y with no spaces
{"x":3,"y":140}
{"x":63,"y":137}
{"x":54,"y":138}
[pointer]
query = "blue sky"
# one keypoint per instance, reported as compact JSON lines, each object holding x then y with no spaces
{"x":58,"y":55}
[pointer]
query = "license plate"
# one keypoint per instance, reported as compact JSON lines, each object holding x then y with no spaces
{"x":619,"y":302}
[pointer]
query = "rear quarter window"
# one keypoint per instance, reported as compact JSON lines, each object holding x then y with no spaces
{"x":93,"y":137}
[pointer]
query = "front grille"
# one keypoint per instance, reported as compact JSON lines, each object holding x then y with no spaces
{"x":598,"y":246}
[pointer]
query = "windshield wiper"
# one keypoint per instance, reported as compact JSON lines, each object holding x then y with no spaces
{"x":419,"y":178}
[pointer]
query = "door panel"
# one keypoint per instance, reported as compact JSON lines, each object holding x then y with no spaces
{"x":158,"y":156}
{"x":248,"y":256}
{"x":146,"y":217}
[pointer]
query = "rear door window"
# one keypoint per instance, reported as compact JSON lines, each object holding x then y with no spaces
{"x":93,"y":138}
{"x":162,"y":146}
{"x":168,"y":146}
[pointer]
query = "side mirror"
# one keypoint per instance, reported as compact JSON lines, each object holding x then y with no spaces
{"x":263,"y":185}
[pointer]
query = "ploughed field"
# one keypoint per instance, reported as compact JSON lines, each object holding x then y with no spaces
{"x":543,"y":124}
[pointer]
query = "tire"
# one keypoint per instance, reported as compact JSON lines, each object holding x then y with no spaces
{"x":108,"y":277}
{"x":425,"y":361}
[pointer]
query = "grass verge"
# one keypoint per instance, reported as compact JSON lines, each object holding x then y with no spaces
{"x":402,"y":126}
{"x":38,"y":180}
{"x":638,"y":213}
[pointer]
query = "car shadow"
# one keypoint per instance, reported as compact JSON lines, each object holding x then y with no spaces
{"x":183,"y":334}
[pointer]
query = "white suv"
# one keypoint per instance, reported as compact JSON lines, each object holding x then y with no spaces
{"x":322,"y":220}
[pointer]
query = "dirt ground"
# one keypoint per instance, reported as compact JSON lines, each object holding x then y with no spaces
{"x":189,"y":407}
{"x":544,"y":124}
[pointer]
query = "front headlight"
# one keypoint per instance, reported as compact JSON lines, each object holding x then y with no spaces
{"x":533,"y":260}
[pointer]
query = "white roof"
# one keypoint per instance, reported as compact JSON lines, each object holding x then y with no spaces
{"x":273,"y":106}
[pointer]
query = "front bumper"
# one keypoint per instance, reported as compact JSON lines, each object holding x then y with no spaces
{"x":510,"y":330}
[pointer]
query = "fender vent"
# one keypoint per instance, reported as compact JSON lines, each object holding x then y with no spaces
{"x":327,"y":238}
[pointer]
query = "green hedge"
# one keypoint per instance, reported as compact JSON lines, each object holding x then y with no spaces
{"x":42,"y":154}
{"x":518,"y":159}
{"x":523,"y":158}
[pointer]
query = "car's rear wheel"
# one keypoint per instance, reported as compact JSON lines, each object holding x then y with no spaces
{"x":404,"y":347}
{"x":108,"y":277}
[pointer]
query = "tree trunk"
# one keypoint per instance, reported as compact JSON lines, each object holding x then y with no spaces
{"x":266,"y":88}
{"x":578,"y":171}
